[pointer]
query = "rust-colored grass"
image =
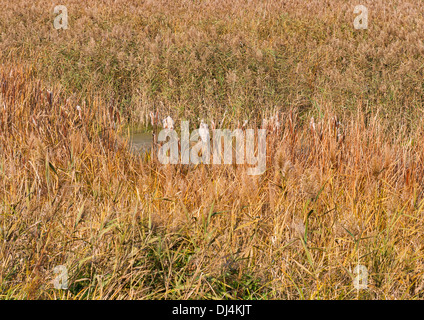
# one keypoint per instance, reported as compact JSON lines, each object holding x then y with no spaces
{"x":347,"y":190}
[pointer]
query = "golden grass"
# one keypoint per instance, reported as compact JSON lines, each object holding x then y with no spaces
{"x":192,"y":59}
{"x":348,"y":192}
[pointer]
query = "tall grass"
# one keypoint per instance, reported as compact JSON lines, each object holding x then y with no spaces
{"x":345,"y":193}
{"x":344,"y":177}
{"x":198,"y":59}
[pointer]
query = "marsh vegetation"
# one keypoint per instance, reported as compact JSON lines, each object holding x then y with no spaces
{"x":344,"y":178}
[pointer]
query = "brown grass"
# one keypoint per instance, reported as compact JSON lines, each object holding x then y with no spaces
{"x":348,"y":192}
{"x":195,"y":59}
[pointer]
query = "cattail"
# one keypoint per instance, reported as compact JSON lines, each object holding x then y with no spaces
{"x":114,"y":117}
{"x":154,"y":118}
{"x":50,"y":97}
{"x":118,"y":117}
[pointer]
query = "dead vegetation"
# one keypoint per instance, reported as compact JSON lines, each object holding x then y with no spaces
{"x":345,"y":151}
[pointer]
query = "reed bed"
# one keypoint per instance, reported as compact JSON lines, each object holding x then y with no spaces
{"x":199,"y":59}
{"x":337,"y":192}
{"x":343,"y":184}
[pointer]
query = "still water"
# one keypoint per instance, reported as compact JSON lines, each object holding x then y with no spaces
{"x":140,"y":141}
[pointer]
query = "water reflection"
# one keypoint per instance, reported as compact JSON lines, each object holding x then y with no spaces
{"x":141,"y":141}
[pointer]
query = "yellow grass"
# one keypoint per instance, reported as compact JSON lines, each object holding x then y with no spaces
{"x":348,"y":192}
